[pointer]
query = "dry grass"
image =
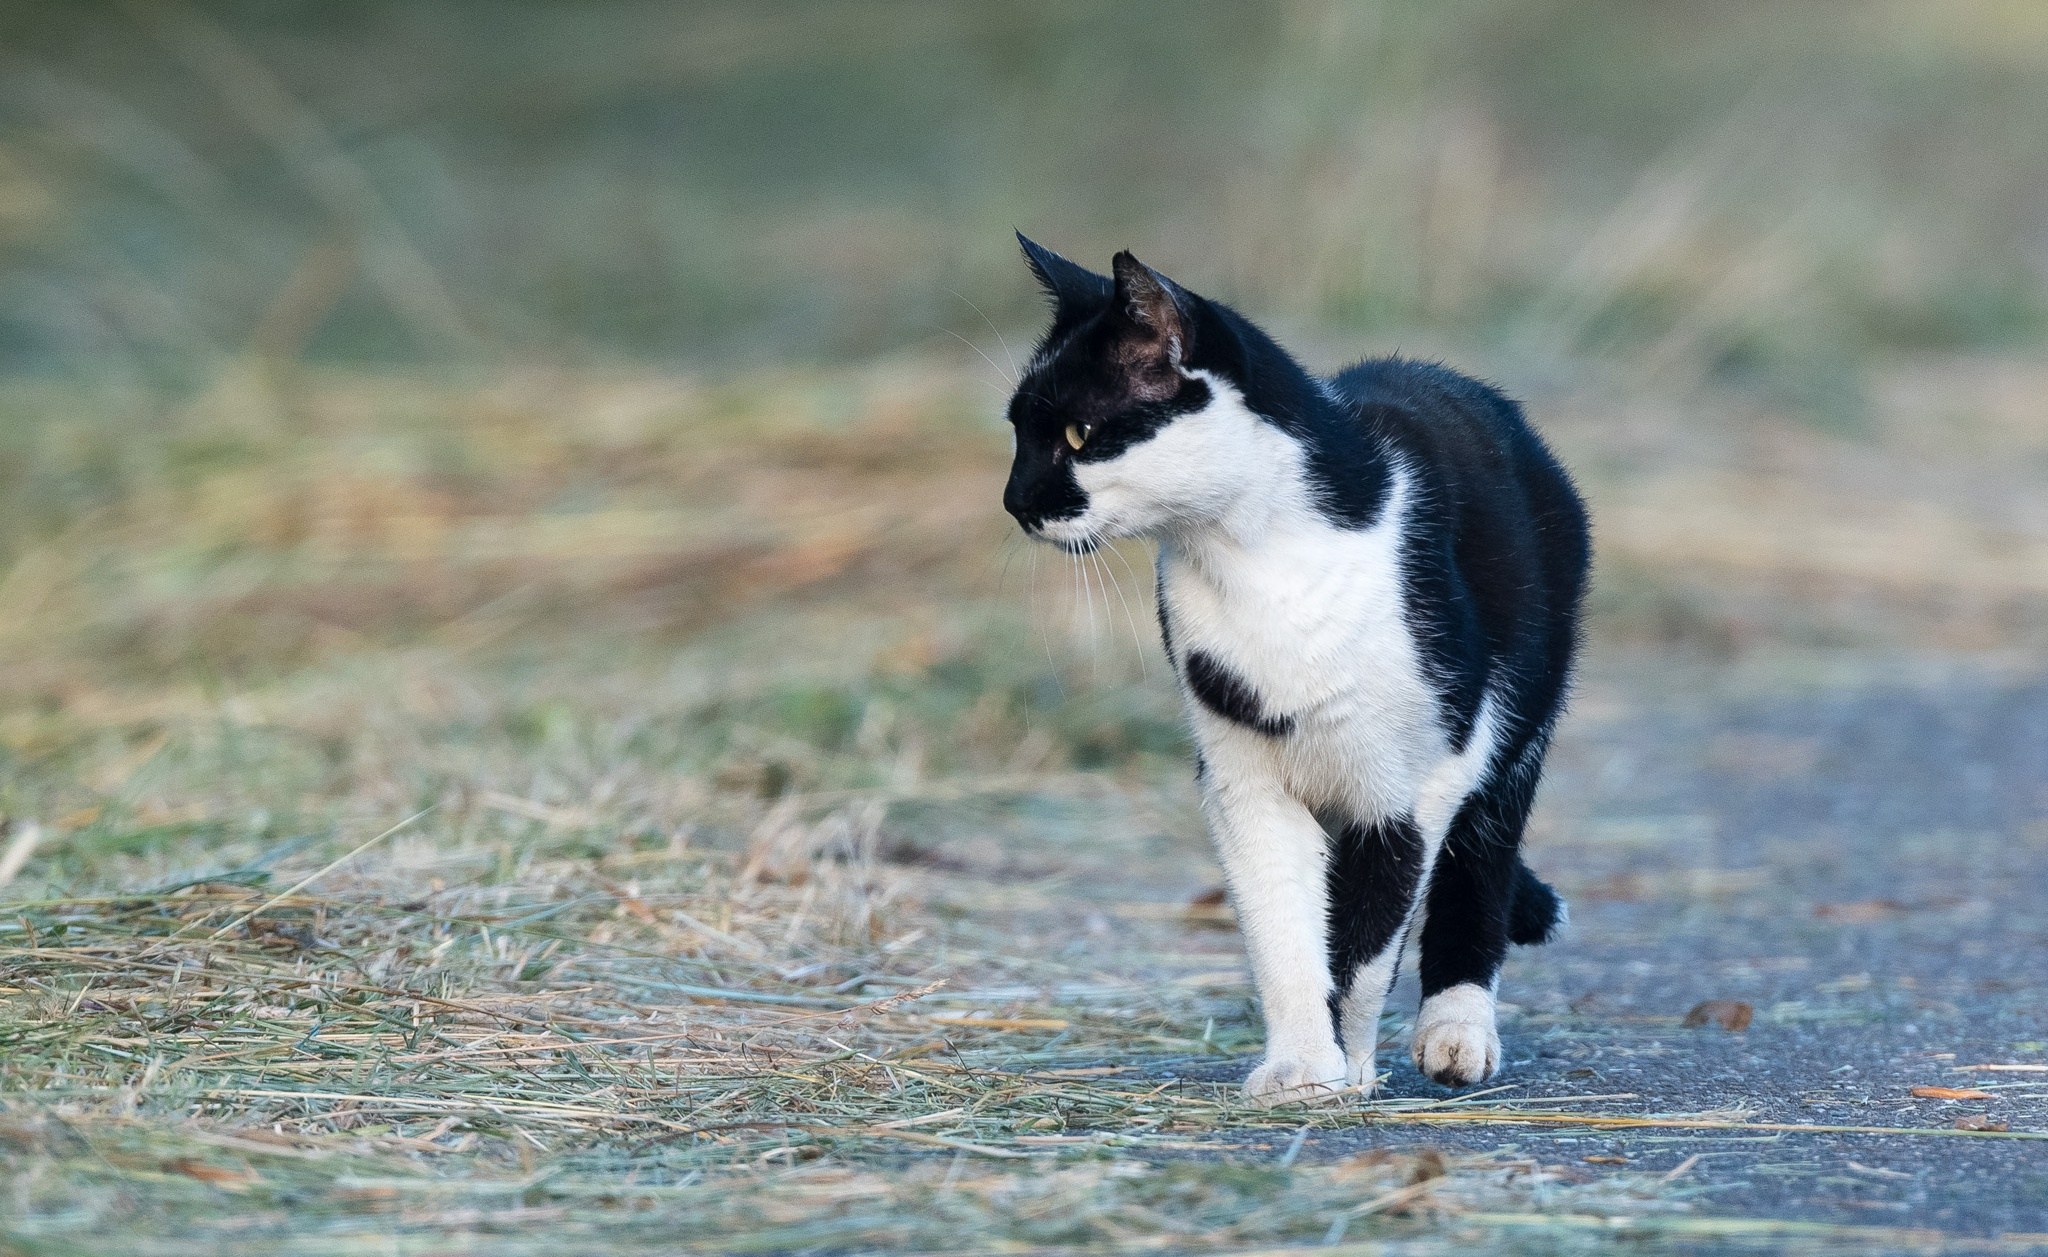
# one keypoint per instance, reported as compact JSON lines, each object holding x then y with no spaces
{"x":676,"y":1056}
{"x":784,"y":1046}
{"x":519,"y":802}
{"x":440,"y":828}
{"x":653,"y":1063}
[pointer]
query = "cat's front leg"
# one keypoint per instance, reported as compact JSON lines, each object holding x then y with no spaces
{"x":1274,"y":858}
{"x":1376,"y":871}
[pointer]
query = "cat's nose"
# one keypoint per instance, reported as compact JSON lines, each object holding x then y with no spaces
{"x":1015,"y":501}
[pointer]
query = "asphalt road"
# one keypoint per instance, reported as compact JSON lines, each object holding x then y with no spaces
{"x":1866,"y":867}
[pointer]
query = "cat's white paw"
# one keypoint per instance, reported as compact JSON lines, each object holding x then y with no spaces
{"x":1292,"y":1077}
{"x":1455,"y":1042}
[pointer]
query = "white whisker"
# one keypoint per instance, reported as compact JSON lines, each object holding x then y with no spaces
{"x":1040,"y":618}
{"x":1014,"y":374}
{"x":1087,"y":595}
{"x":1133,"y":572}
{"x":993,"y":364}
{"x":1110,"y":578}
{"x":1009,"y":557}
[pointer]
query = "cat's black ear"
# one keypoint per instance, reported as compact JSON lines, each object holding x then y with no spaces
{"x":1154,"y":304}
{"x":1065,"y":282}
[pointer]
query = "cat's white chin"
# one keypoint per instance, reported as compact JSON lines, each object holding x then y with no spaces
{"x":1086,"y":531}
{"x":1077,"y":535}
{"x":1071,"y":535}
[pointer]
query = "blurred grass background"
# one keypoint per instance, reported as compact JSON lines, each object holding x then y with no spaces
{"x":558,"y":414}
{"x":703,"y":183}
{"x":279,"y":270}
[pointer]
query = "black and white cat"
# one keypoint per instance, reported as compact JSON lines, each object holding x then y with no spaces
{"x":1369,"y":588}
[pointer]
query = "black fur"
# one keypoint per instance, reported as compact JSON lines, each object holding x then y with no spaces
{"x":1230,"y":695}
{"x":1369,"y":880}
{"x":1534,"y":909}
{"x":1474,"y":888}
{"x":1494,"y":561}
{"x":1108,"y":377}
{"x":1165,"y":620}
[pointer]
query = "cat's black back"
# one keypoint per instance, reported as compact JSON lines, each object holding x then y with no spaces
{"x":1496,"y":551}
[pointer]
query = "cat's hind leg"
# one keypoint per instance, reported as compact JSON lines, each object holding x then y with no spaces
{"x":1466,"y":930}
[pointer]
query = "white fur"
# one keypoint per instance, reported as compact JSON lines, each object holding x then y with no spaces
{"x":1211,"y":468}
{"x":1455,"y":1038}
{"x":1311,"y":616}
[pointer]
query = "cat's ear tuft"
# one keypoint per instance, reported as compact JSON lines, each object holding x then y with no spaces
{"x":1152,"y":302}
{"x":1067,"y":283}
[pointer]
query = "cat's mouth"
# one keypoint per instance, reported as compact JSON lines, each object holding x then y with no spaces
{"x":1071,"y":533}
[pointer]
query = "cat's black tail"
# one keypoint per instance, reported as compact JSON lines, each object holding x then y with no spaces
{"x":1534,"y":911}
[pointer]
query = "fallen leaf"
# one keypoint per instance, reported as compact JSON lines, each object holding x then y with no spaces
{"x":1729,"y":1014}
{"x":1429,"y":1164}
{"x":1419,"y":1166}
{"x":1979,"y":1121}
{"x":1951,"y":1093}
{"x":1210,"y":907}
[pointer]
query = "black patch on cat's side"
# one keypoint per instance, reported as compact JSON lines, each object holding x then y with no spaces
{"x":1231,"y":696}
{"x":1370,"y":880}
{"x":1494,"y":547}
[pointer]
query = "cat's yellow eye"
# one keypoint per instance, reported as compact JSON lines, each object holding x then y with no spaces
{"x":1075,"y":437}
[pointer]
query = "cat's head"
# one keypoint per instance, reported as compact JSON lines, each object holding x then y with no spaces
{"x":1125,"y":420}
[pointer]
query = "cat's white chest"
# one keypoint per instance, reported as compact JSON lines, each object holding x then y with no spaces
{"x":1312,"y":621}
